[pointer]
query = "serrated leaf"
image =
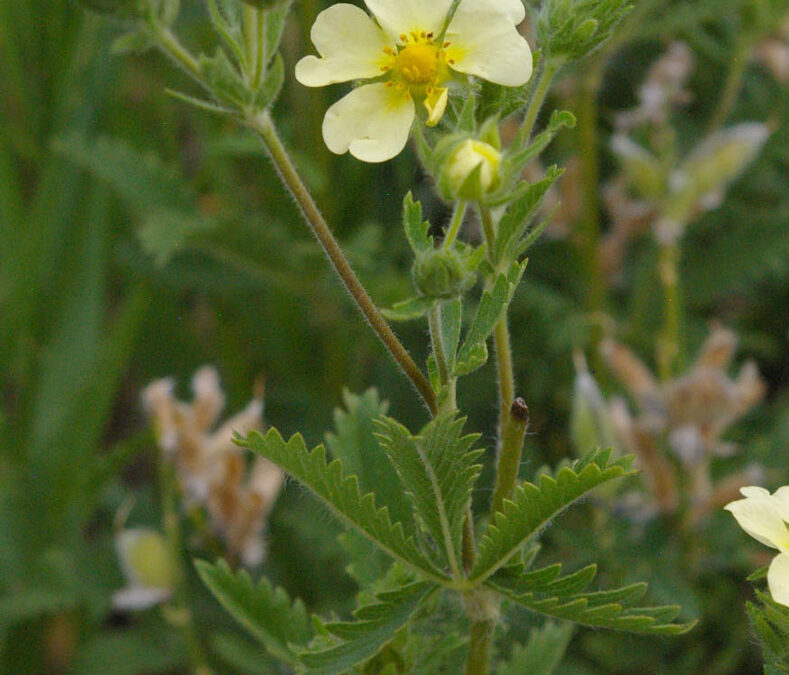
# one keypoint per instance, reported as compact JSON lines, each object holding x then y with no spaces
{"x":415,"y":228}
{"x":223,"y":78}
{"x":438,"y":471}
{"x":408,"y":310}
{"x":275,"y":25}
{"x":546,"y":592}
{"x":518,"y":160}
{"x":491,"y":306}
{"x":521,"y":211}
{"x":375,"y":626}
{"x":271,"y":85}
{"x":451,"y":320}
{"x":533,"y":507}
{"x":355,"y":445}
{"x":265,"y":611}
{"x":227,"y":21}
{"x":542,"y":654}
{"x":771,"y":623}
{"x":341,"y":494}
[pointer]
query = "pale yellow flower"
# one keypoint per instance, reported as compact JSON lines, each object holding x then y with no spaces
{"x":399,"y":48}
{"x":765,"y":517}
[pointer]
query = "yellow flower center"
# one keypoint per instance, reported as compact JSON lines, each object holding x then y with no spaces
{"x":417,"y":63}
{"x":418,"y":68}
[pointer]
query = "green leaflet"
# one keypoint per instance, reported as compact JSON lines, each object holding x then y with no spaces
{"x":438,"y":472}
{"x":410,"y":309}
{"x":375,"y":625}
{"x":532,"y":507}
{"x":342,"y":494}
{"x":521,"y":211}
{"x":771,"y":622}
{"x":542,"y":654}
{"x":415,"y":228}
{"x":265,"y":611}
{"x":473,"y":352}
{"x":546,"y":592}
{"x":355,"y":445}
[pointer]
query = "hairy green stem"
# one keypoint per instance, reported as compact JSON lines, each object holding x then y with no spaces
{"x":512,"y":426}
{"x":547,"y":71}
{"x":480,"y":647}
{"x":454,"y":225}
{"x":262,"y":124}
{"x":668,"y":343}
{"x":172,"y":48}
{"x":513,"y":432}
{"x":434,"y":323}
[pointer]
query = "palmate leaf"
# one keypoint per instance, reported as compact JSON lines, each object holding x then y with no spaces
{"x":341,"y":493}
{"x":561,"y":597}
{"x":532,"y":507}
{"x":375,"y":625}
{"x":265,"y":611}
{"x":438,"y":472}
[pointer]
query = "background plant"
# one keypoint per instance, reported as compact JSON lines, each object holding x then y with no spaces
{"x":81,"y":340}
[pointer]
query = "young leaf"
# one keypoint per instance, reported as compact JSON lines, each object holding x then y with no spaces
{"x":271,"y":85}
{"x":451,"y":320}
{"x":438,"y":473}
{"x":515,"y":222}
{"x":341,"y":494}
{"x":265,"y":611}
{"x":542,"y":654}
{"x":533,"y":507}
{"x":375,"y":626}
{"x":408,"y":310}
{"x":491,"y":306}
{"x":415,"y":228}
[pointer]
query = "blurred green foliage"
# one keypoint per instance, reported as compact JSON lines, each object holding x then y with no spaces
{"x":141,"y":238}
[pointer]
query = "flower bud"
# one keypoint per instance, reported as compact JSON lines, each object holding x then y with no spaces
{"x":471,"y":170}
{"x":443,"y":273}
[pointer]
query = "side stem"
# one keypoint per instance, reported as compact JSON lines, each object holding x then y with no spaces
{"x":264,"y":127}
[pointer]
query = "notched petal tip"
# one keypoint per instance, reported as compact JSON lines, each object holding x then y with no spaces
{"x":371,"y":122}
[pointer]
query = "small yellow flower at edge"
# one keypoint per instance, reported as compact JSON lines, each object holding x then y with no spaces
{"x":402,"y":53}
{"x":765,"y":517}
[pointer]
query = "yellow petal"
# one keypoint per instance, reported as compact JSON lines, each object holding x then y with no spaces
{"x":372,"y":122}
{"x":778,"y":579}
{"x":403,"y":16}
{"x":484,"y":42}
{"x":350,"y":44}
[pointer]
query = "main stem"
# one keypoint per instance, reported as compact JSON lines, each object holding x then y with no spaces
{"x":262,"y":124}
{"x":511,"y":427}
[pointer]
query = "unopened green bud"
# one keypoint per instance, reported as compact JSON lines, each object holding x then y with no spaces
{"x":471,"y":170}
{"x":443,"y":273}
{"x":642,"y":169}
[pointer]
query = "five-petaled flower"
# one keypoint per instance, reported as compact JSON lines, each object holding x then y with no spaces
{"x":412,"y":59}
{"x":765,"y":517}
